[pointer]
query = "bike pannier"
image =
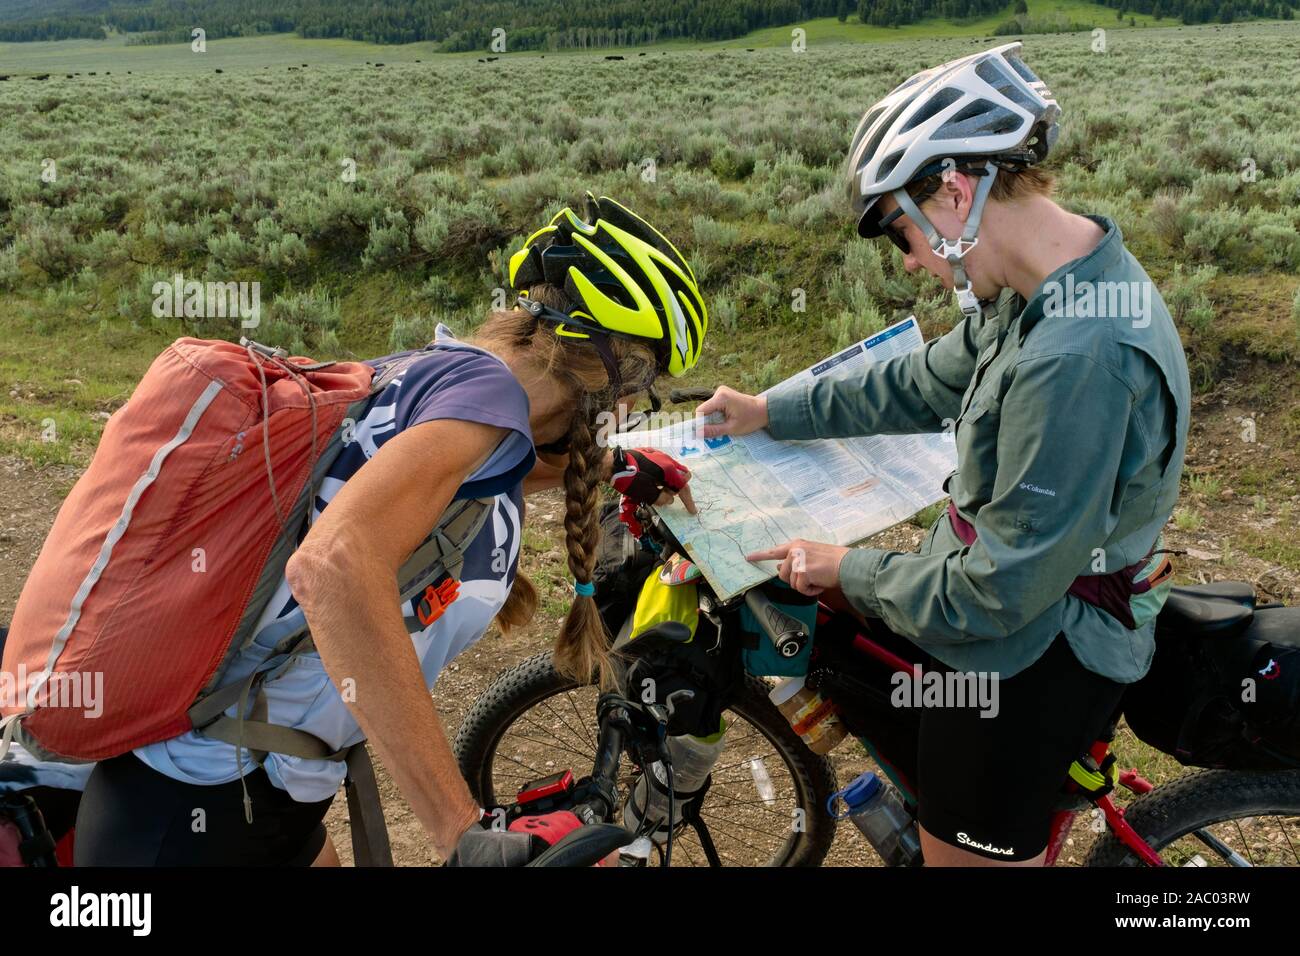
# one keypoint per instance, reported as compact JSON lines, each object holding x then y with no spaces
{"x":1225,"y":699}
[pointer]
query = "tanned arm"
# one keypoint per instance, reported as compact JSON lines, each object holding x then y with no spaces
{"x":344,"y":576}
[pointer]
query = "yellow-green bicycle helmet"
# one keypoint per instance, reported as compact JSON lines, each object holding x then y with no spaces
{"x":624,"y":278}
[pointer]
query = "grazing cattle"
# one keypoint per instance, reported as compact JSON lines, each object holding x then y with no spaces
{"x":45,"y":76}
{"x":219,"y":71}
{"x":613,"y":58}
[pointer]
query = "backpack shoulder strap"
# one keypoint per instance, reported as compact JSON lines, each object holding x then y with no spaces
{"x":444,"y":552}
{"x":385,"y":375}
{"x":444,"y":549}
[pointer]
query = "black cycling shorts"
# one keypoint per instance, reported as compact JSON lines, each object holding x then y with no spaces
{"x":132,"y":815}
{"x":990,"y":785}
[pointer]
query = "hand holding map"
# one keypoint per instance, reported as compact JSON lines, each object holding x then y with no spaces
{"x":756,"y":493}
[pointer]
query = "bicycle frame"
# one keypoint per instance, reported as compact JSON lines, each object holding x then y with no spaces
{"x":1059,"y":827}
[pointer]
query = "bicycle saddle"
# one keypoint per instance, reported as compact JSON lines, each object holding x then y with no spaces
{"x":663,"y":635}
{"x":585,"y":846}
{"x":1225,"y":608}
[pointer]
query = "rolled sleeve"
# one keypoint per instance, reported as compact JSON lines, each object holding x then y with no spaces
{"x":1055,"y":500}
{"x":858,"y":571}
{"x":789,"y":414}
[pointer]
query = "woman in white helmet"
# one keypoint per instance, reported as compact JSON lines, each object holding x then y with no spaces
{"x":1066,"y":387}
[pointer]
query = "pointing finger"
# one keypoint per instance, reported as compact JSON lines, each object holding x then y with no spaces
{"x":771,"y":554}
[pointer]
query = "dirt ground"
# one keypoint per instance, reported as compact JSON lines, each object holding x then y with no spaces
{"x":30,"y":498}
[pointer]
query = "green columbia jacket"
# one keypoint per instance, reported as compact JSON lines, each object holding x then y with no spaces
{"x":1070,"y":416}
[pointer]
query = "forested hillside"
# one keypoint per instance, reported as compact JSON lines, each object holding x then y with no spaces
{"x":528,"y":24}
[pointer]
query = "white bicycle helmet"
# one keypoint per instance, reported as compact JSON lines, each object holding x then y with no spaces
{"x":977,"y":114}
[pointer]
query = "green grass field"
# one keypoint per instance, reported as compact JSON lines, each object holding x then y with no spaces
{"x":285,"y":50}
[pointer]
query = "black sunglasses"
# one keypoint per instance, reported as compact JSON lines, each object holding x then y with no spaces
{"x":893,"y":235}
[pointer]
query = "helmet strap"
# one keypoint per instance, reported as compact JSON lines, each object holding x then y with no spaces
{"x":955,"y":250}
{"x":601,"y":342}
{"x":596,"y":338}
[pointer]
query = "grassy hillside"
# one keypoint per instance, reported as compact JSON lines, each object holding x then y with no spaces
{"x":287,"y":49}
{"x":238,"y":176}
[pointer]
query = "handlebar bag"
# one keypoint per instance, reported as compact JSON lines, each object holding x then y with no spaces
{"x":706,"y":667}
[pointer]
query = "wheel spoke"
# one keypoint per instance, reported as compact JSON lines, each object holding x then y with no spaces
{"x":542,"y":729}
{"x":747,"y":826}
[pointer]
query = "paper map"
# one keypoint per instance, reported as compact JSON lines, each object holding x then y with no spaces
{"x":754,"y":492}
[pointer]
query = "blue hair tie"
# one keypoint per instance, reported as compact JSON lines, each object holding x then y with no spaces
{"x":584,"y":590}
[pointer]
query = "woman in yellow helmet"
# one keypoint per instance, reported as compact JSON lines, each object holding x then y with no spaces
{"x":607,"y":305}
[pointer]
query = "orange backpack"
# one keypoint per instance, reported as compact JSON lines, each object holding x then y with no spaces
{"x":163,"y":556}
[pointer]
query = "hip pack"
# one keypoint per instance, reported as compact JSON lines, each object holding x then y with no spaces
{"x":1132,"y":595}
{"x":164,"y":555}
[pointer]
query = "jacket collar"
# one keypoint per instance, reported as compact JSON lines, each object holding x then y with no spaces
{"x":1105,"y":255}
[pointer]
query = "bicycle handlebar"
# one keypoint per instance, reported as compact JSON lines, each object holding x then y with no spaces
{"x":787,"y":634}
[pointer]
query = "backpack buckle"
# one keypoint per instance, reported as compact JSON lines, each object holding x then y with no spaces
{"x":435,"y":600}
{"x":270,"y":351}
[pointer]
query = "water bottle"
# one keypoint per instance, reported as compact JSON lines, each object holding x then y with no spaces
{"x":692,"y":758}
{"x":876,"y":808}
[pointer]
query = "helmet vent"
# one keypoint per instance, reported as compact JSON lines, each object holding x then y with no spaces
{"x":981,"y":119}
{"x":996,"y":78}
{"x":935,"y":105}
{"x":889,"y":162}
{"x":1024,"y":72}
{"x":882,"y":128}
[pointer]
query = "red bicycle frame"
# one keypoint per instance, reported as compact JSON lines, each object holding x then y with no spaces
{"x":1062,"y":819}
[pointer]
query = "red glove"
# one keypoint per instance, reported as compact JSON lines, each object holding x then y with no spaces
{"x":642,"y":475}
{"x":548,"y":829}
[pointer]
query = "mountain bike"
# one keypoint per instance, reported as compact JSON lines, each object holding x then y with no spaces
{"x":765,"y":802}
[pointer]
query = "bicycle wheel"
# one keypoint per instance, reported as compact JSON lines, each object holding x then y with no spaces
{"x":1247,"y":819}
{"x":765,"y":805}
